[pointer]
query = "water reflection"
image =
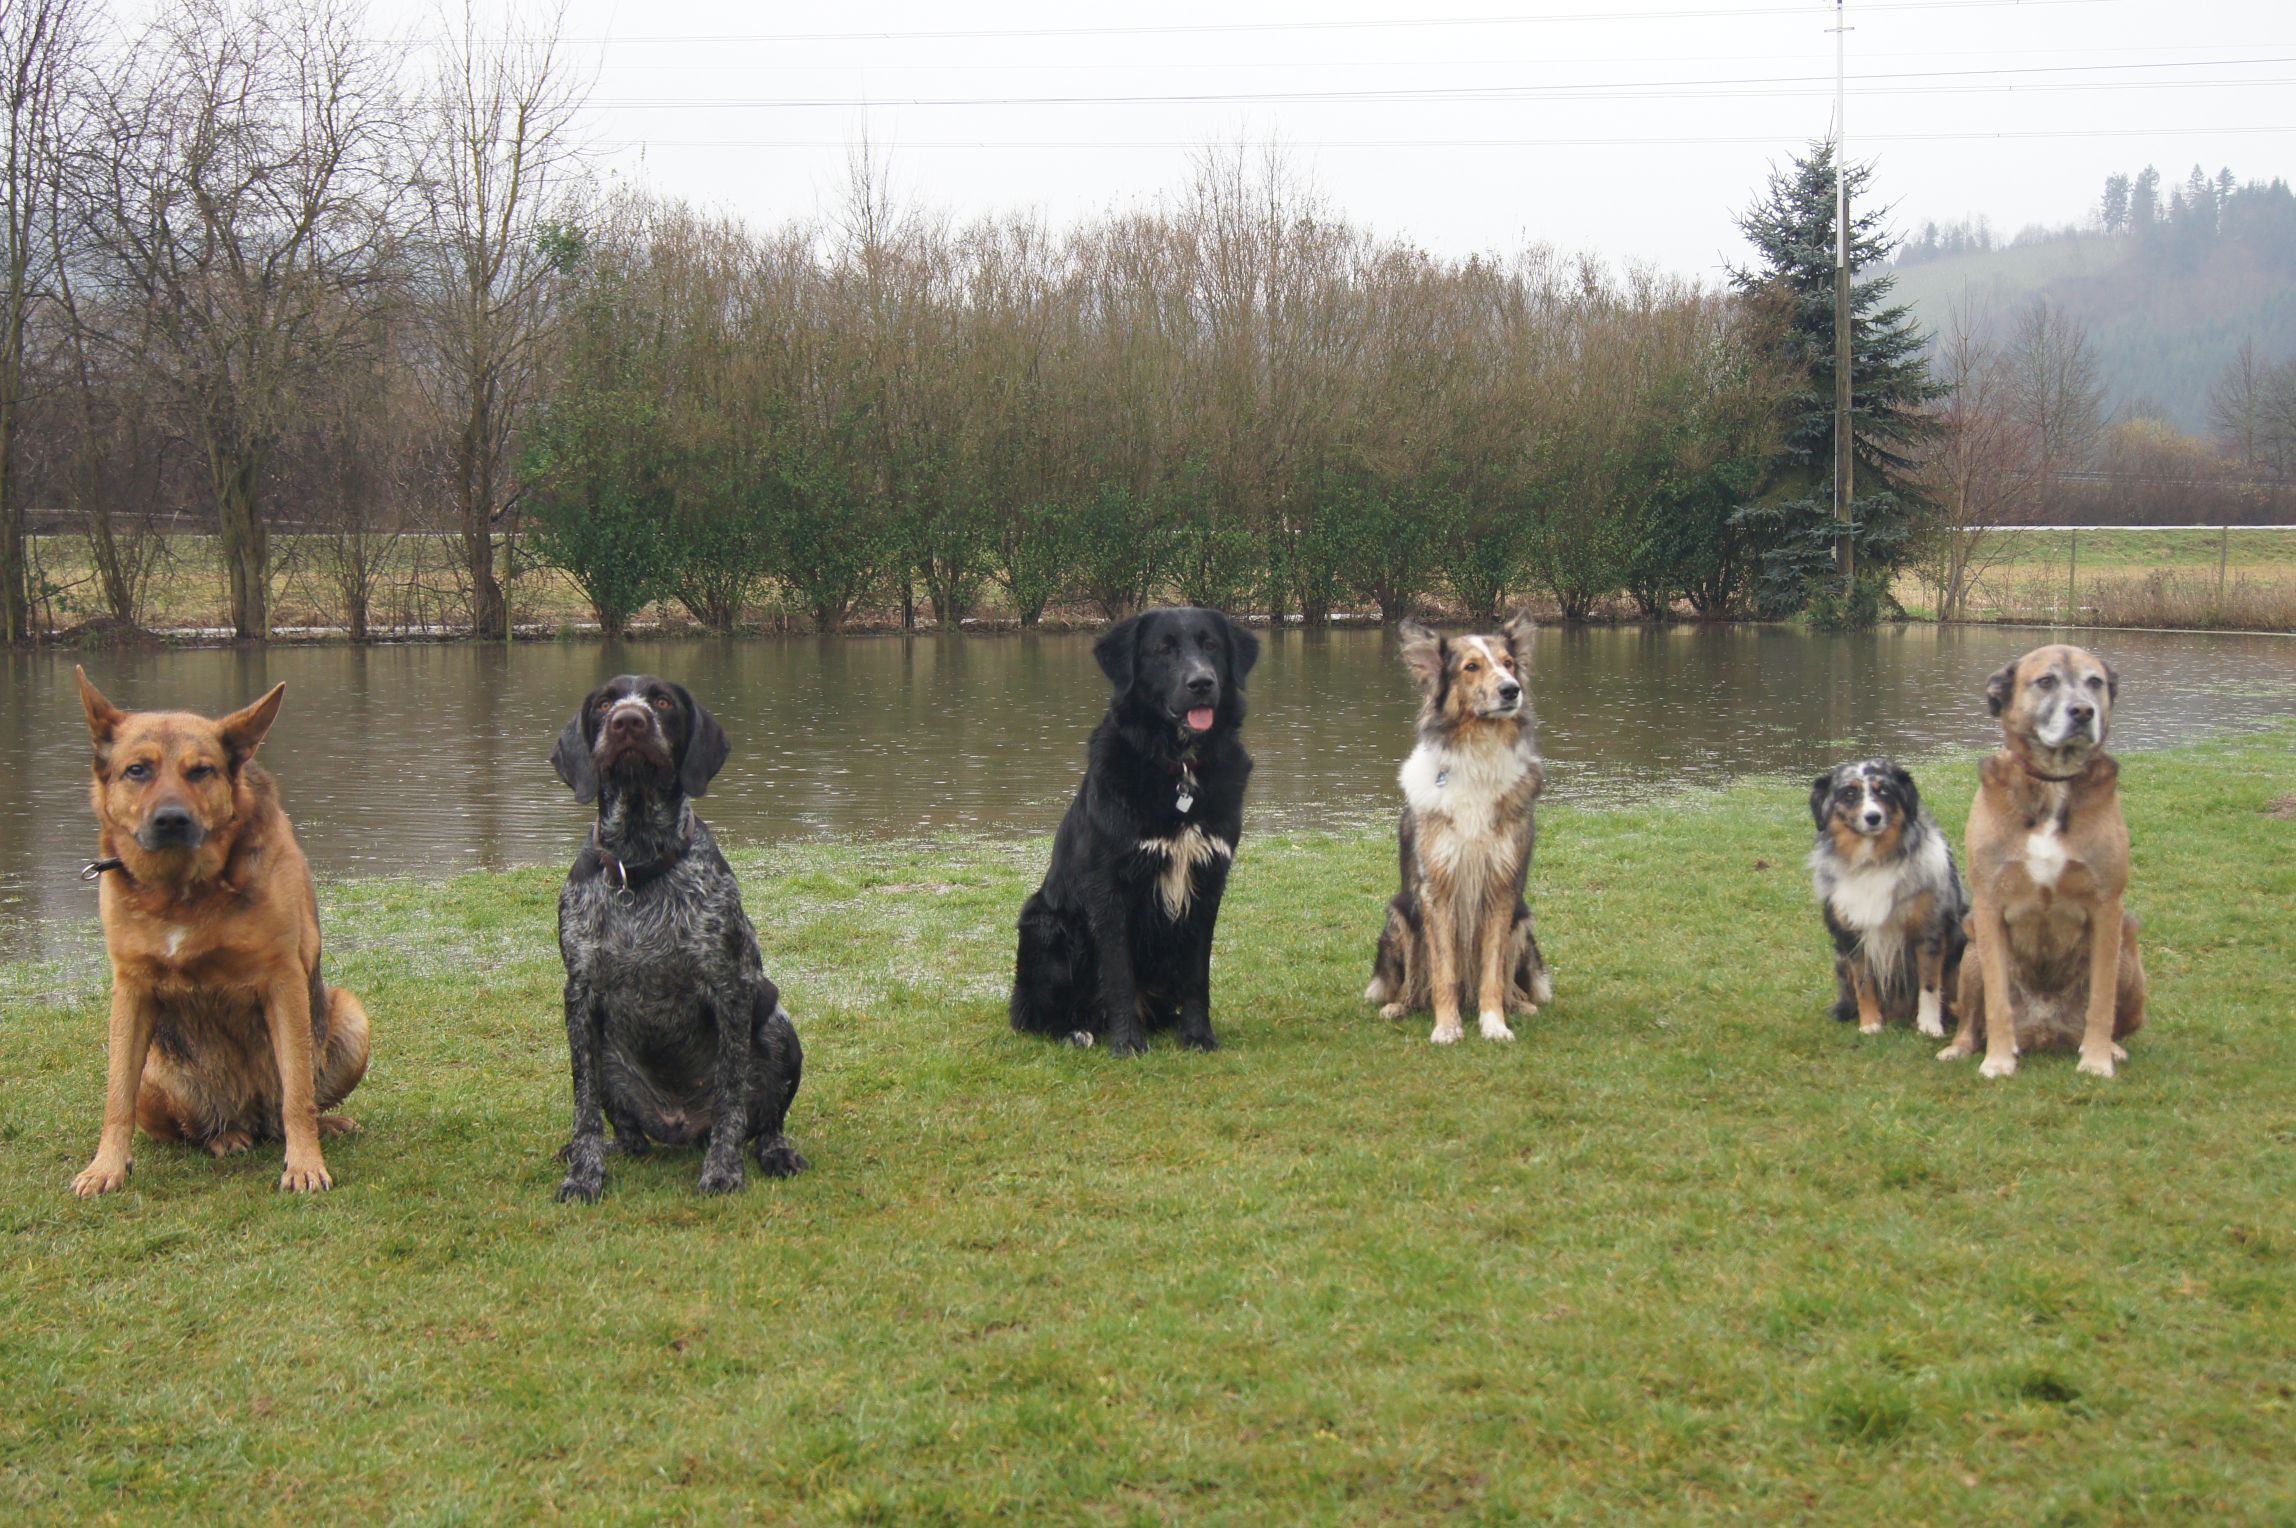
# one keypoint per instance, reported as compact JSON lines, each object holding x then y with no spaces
{"x":427,"y":760}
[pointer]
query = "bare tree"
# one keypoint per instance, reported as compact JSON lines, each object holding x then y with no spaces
{"x":42,"y":43}
{"x":1984,"y":468}
{"x":506,"y":171}
{"x":245,"y":205}
{"x":2056,"y":393}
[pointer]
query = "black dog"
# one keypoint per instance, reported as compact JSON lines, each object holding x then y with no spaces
{"x":675,"y":1032}
{"x":1119,"y":937}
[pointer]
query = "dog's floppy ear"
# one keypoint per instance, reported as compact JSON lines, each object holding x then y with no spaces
{"x":1118,"y":650}
{"x":706,"y":745}
{"x":573,"y":760}
{"x":244,"y":728}
{"x":104,"y":718}
{"x":1902,"y":778}
{"x":1518,"y":632}
{"x":1819,"y":791}
{"x":1423,"y":653}
{"x":2000,"y":687}
{"x":2112,"y":681}
{"x":1243,"y":650}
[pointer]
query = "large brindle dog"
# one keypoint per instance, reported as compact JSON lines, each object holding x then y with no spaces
{"x":674,"y":1032}
{"x":222,"y":1032}
{"x":1118,"y":939}
{"x":2056,"y":963}
{"x":1460,"y":922}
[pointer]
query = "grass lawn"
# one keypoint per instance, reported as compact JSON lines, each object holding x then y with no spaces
{"x":1685,"y":1252}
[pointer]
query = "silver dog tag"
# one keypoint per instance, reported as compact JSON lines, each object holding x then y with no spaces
{"x":1184,"y":800}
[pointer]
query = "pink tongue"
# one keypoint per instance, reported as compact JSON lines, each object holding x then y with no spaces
{"x":1200,"y":719}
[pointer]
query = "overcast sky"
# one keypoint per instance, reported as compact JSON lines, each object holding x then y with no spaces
{"x":1633,"y":129}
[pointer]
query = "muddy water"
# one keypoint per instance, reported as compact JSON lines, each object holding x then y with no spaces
{"x":428,"y":760}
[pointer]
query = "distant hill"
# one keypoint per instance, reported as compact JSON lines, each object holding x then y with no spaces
{"x":2167,"y":300}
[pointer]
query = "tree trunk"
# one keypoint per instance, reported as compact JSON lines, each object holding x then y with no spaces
{"x":15,"y":583}
{"x":246,"y":549}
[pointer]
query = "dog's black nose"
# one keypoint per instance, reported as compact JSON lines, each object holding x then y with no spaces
{"x":626,"y":723}
{"x":1872,"y":818}
{"x":169,"y":823}
{"x":2080,"y":713}
{"x":1202,"y":686}
{"x":1509,"y":691}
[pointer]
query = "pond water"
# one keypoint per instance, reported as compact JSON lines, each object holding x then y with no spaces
{"x":427,"y":760}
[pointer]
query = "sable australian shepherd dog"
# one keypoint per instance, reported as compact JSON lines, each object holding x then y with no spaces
{"x":1893,"y":899}
{"x":222,"y":1032}
{"x":1465,"y":841}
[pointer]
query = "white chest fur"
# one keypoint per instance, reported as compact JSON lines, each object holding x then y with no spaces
{"x":1182,"y":853}
{"x":1463,"y":784}
{"x":2045,"y":854}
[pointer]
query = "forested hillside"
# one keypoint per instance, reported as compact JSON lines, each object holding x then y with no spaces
{"x":2168,"y":283}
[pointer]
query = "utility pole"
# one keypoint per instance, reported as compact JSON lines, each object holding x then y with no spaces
{"x":1845,"y":554}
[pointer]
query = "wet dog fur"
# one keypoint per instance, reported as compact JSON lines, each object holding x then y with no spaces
{"x":2057,"y":964}
{"x":674,"y":1033}
{"x":1893,"y":899}
{"x":1117,"y":941}
{"x":222,"y":1031}
{"x":1463,"y":846}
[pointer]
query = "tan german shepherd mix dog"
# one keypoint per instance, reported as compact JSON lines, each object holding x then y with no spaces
{"x":222,"y":1033}
{"x":2053,"y":960}
{"x":1464,"y":844}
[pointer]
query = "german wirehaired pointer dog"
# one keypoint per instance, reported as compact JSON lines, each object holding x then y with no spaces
{"x":675,"y":1032}
{"x":1118,"y":939}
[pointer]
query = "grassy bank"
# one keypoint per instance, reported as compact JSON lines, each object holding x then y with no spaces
{"x":2119,"y":578}
{"x":1686,"y":1252}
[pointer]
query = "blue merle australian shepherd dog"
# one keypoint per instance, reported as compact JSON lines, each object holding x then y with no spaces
{"x":1893,"y":899}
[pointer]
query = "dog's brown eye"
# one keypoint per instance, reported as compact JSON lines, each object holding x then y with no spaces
{"x":137,"y":772}
{"x":199,"y":771}
{"x":2045,"y":682}
{"x":661,"y":702}
{"x":2095,"y":683}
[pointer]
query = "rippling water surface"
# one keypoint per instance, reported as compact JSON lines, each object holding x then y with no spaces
{"x":427,"y":760}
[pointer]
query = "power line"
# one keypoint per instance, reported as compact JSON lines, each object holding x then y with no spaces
{"x":1173,"y":29}
{"x":1674,"y":141}
{"x":1573,"y":91}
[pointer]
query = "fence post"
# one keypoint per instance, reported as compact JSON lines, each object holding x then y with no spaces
{"x":2223,"y":555}
{"x":2072,"y":575}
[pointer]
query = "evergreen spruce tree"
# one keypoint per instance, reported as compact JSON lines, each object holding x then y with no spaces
{"x":1792,"y":231}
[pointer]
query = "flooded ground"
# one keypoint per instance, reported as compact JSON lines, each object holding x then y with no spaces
{"x":427,"y":760}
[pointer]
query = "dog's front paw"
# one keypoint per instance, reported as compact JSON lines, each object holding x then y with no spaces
{"x":337,"y":1124}
{"x":305,"y":1178}
{"x":1127,"y":1043}
{"x":1494,"y":1026}
{"x":1202,"y":1040}
{"x":582,"y":1188}
{"x":1869,"y":1026}
{"x":1931,"y":1019}
{"x":231,"y":1143}
{"x":779,"y":1159}
{"x":1957,"y":1052}
{"x":722,"y":1178}
{"x":102,"y":1177}
{"x":2099,"y":1062}
{"x":1447,"y":1031}
{"x":1998,"y":1066}
{"x":1393,"y":1011}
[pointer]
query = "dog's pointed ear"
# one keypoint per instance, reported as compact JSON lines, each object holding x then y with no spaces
{"x":2000,"y":687}
{"x":1422,"y":653}
{"x":104,"y":718}
{"x":1243,"y":649}
{"x":244,"y":728}
{"x":1518,"y":631}
{"x":706,"y":745}
{"x":573,"y":760}
{"x":1117,"y":652}
{"x":1820,"y":789}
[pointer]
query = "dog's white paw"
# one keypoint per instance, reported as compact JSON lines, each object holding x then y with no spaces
{"x":1998,"y":1066}
{"x":1543,"y":987}
{"x":1494,"y":1027}
{"x":1393,"y":1011}
{"x":1447,"y":1032}
{"x":1954,"y":1053}
{"x":1931,"y":1019}
{"x":1873,"y":1028}
{"x":2099,"y":1063}
{"x":2119,"y":1054}
{"x":1377,"y":991}
{"x":1080,"y":1038}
